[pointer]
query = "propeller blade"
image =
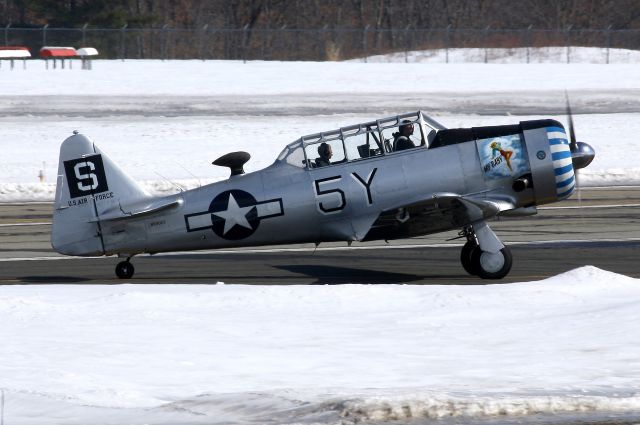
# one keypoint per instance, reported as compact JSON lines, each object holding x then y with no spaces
{"x":581,"y":153}
{"x":579,"y":193}
{"x":577,"y":179}
{"x":572,"y":134}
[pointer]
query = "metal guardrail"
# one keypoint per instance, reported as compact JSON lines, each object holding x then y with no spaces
{"x":319,"y":44}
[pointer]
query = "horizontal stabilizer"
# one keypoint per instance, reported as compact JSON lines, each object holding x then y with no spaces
{"x":138,"y":210}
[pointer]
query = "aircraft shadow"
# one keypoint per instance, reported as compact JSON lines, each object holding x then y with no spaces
{"x":333,"y":275}
{"x":53,"y":279}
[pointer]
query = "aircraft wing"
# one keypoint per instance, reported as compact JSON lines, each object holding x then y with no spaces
{"x":441,"y":211}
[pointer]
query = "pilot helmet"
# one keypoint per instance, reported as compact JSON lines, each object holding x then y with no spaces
{"x":405,"y":124}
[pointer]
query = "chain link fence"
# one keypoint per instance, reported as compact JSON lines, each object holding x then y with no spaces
{"x":439,"y":45}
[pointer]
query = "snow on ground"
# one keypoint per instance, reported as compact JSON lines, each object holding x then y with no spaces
{"x":193,"y":77}
{"x":157,"y":150}
{"x":181,"y":148}
{"x":314,"y":354}
{"x":513,"y":56}
{"x":565,"y":344}
{"x":219,"y":77}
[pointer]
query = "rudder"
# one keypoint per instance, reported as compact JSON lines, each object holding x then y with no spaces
{"x":89,"y":184}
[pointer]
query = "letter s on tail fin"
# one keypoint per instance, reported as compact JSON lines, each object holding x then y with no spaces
{"x":89,"y":185}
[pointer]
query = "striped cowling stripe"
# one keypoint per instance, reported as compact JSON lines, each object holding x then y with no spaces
{"x":562,"y":164}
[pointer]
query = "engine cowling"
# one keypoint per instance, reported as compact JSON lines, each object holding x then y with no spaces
{"x":553,"y":159}
{"x":536,"y":158}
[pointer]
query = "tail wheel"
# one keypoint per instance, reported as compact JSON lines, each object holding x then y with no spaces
{"x":492,"y":265}
{"x":465,"y":257}
{"x":124,"y":270}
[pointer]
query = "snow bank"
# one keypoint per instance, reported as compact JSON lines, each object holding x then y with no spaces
{"x":564,"y":344}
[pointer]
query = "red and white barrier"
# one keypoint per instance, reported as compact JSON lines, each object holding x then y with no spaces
{"x":14,"y":52}
{"x":86,"y":53}
{"x":55,"y":53}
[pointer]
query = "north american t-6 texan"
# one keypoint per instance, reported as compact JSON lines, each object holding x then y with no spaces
{"x":397,"y":177}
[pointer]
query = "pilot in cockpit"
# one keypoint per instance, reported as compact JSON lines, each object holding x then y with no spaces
{"x":401,"y":140}
{"x":325,"y":152}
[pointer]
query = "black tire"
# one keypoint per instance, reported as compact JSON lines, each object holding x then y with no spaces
{"x":492,"y":266}
{"x":124,"y":270}
{"x":465,"y":257}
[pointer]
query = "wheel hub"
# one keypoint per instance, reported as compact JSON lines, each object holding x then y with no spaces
{"x":492,"y":262}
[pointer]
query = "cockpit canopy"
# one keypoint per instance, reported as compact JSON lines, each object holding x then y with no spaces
{"x":362,"y":141}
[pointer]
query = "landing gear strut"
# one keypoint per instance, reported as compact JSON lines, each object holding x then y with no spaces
{"x":492,"y":262}
{"x":124,"y":269}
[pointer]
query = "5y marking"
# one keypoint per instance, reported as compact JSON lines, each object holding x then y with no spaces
{"x":334,"y":200}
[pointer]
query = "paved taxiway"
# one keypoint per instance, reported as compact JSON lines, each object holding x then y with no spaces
{"x":605,"y":233}
{"x":552,"y":102}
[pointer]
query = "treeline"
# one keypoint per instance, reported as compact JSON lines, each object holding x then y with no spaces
{"x":318,"y":14}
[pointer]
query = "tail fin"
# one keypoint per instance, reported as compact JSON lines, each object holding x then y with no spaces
{"x":89,"y":184}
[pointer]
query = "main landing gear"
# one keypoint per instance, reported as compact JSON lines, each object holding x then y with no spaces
{"x":124,"y":269}
{"x":484,"y":255}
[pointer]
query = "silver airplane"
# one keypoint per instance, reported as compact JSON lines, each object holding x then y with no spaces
{"x":397,"y":177}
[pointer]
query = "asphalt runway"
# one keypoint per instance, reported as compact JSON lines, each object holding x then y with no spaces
{"x":604,"y":232}
{"x":595,"y":101}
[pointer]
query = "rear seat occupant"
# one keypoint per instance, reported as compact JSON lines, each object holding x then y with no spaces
{"x":325,"y":152}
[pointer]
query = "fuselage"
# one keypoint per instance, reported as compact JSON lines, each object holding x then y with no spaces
{"x":365,"y":193}
{"x":287,"y":204}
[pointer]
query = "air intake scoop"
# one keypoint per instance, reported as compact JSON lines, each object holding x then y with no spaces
{"x":234,"y":160}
